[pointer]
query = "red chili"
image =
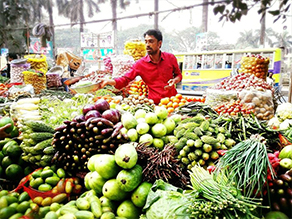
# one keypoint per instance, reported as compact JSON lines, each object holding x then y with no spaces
{"x":221,"y":152}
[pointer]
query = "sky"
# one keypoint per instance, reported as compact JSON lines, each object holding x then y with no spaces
{"x":180,"y":20}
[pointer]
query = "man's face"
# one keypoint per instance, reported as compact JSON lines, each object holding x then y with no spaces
{"x":152,"y":44}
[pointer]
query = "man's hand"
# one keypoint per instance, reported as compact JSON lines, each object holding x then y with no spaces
{"x":104,"y":82}
{"x":3,"y":134}
{"x":171,"y":83}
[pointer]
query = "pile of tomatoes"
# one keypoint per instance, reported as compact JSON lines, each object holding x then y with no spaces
{"x":234,"y":107}
{"x":138,"y":87}
{"x":171,"y":103}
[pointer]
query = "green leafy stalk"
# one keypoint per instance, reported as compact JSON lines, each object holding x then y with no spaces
{"x":247,"y":164}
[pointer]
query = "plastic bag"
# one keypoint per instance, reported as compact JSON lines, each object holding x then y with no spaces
{"x":37,"y":61}
{"x":261,"y":101}
{"x":122,"y":64}
{"x":59,"y":189}
{"x":53,"y":80}
{"x":36,"y":79}
{"x":16,"y":72}
{"x":215,"y":97}
{"x":135,"y":48}
{"x":20,"y":90}
{"x":255,"y":64}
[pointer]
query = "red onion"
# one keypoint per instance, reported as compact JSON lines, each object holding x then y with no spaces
{"x":101,"y":105}
{"x":92,"y":113}
{"x":112,"y":115}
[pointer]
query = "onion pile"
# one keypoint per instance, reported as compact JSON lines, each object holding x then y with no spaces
{"x":108,"y":64}
{"x":97,"y":130}
{"x":255,"y":64}
{"x":136,"y":100}
{"x":242,"y":81}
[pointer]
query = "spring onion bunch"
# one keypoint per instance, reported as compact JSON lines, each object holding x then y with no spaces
{"x":247,"y":164}
{"x":214,"y":196}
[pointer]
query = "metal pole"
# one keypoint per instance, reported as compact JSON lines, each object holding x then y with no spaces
{"x":156,"y":14}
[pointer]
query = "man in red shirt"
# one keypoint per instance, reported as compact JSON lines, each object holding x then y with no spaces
{"x":159,"y":70}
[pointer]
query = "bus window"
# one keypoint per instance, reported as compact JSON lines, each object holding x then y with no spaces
{"x":208,"y":61}
{"x":199,"y":61}
{"x":237,"y":59}
{"x":189,"y":62}
{"x":228,"y":61}
{"x":218,"y":60}
{"x":194,"y":62}
{"x":186,"y":60}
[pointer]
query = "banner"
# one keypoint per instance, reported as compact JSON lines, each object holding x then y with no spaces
{"x":35,"y":47}
{"x":92,"y":55}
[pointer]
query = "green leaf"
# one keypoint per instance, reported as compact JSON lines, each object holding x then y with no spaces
{"x":219,"y":8}
{"x":274,"y":13}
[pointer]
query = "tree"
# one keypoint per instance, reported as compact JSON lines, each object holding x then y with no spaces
{"x":12,"y":15}
{"x":114,"y":5}
{"x":247,"y":39}
{"x":233,"y":10}
{"x":75,"y":10}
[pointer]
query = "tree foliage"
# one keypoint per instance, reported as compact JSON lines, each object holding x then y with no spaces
{"x":233,"y":10}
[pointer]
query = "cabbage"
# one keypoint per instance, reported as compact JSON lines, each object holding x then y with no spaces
{"x":284,"y":111}
{"x":286,"y":124}
{"x":166,"y":201}
{"x":274,"y":123}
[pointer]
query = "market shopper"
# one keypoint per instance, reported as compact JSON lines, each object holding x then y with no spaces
{"x":159,"y":70}
{"x":11,"y":56}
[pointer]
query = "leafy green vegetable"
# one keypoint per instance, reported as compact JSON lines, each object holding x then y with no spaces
{"x":54,"y":111}
{"x":166,"y":201}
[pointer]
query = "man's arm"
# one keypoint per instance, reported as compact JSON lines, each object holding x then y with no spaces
{"x":177,"y":74}
{"x":122,"y":81}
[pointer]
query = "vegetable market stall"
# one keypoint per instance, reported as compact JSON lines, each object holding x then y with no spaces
{"x":105,"y":155}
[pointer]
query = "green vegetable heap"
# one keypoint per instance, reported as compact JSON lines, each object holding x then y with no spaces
{"x":199,"y":141}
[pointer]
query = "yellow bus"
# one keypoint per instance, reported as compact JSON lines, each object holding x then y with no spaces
{"x":201,"y":70}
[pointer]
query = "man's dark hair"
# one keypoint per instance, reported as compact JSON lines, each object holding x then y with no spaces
{"x":156,"y":33}
{"x":12,"y":55}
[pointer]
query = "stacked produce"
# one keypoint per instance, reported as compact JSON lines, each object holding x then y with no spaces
{"x":283,"y":118}
{"x":242,"y":81}
{"x":121,"y":64}
{"x":216,"y":197}
{"x":200,"y":141}
{"x":139,"y":88}
{"x":161,"y":164}
{"x":49,"y":185}
{"x":96,"y":75}
{"x":36,"y":143}
{"x":14,"y":205}
{"x":145,"y":161}
{"x":12,"y":165}
{"x":114,"y":186}
{"x":174,"y":102}
{"x":135,"y":100}
{"x":97,"y":130}
{"x":56,"y":109}
{"x":244,"y":94}
{"x":37,"y":78}
{"x":17,"y":68}
{"x":108,"y":64}
{"x":255,"y":64}
{"x":135,"y":48}
{"x":37,"y":62}
{"x":153,"y":128}
{"x":279,"y":188}
{"x":12,"y":131}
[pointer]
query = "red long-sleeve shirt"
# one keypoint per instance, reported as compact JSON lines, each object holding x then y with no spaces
{"x":155,"y":75}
